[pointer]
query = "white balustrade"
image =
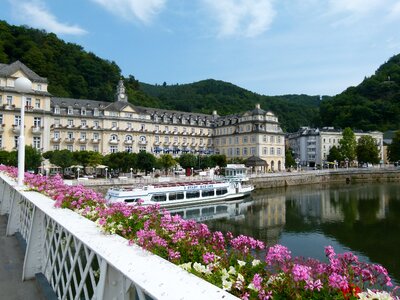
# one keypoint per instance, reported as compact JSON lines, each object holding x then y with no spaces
{"x":80,"y":262}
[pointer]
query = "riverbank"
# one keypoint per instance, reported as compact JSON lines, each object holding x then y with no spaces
{"x":262,"y":181}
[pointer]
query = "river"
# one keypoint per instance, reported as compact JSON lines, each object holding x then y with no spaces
{"x":362,"y":218}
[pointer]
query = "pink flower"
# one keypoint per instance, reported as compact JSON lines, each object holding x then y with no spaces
{"x":300,"y":272}
{"x":277,"y":254}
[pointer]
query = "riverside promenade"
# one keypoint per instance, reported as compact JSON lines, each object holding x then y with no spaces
{"x":11,"y":261}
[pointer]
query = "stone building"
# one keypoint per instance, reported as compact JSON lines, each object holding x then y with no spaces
{"x":53,"y":123}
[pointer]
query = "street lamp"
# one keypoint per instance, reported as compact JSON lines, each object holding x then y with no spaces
{"x":347,"y":162}
{"x":22,"y":85}
{"x":131,"y":173}
{"x":78,"y":169}
{"x":106,"y":173}
{"x":297,"y":160}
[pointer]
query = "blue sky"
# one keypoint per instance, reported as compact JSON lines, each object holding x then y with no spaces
{"x":272,"y":47}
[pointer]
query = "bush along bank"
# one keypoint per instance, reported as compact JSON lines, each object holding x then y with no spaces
{"x":235,"y":264}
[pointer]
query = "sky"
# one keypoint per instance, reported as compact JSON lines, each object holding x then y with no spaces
{"x":271,"y":47}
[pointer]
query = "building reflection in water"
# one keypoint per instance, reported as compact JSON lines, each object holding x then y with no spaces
{"x":363,"y":218}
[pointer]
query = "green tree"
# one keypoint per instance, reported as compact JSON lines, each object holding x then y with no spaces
{"x":87,"y":158}
{"x":166,"y":161}
{"x":33,"y":158}
{"x":290,"y":162}
{"x":4,"y":157}
{"x":188,"y":160}
{"x":367,"y":150}
{"x":394,"y":148}
{"x":145,"y":161}
{"x":62,"y":158}
{"x":219,"y":160}
{"x":347,"y":145}
{"x":334,"y":154}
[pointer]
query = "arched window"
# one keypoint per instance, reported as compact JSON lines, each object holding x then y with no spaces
{"x":128,"y":138}
{"x":114,"y":137}
{"x":142,"y":138}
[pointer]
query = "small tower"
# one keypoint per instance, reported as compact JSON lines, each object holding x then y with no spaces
{"x":121,"y":95}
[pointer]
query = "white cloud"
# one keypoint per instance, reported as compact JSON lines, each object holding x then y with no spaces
{"x":144,"y":10}
{"x":248,"y":18}
{"x":395,"y":11}
{"x":35,"y":14}
{"x":355,"y":6}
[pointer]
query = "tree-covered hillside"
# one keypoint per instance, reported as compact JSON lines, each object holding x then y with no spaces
{"x":208,"y":95}
{"x":372,"y":105}
{"x":71,"y":71}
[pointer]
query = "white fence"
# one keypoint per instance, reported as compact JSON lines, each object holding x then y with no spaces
{"x":80,"y":262}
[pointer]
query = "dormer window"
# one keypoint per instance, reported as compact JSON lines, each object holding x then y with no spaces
{"x":155,"y":118}
{"x":70,"y":110}
{"x":83,"y":111}
{"x":96,"y":112}
{"x":57,"y":109}
{"x":39,"y":87}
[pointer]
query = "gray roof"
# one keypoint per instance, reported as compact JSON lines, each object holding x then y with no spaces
{"x":8,"y":70}
{"x":254,"y":161}
{"x":65,"y":102}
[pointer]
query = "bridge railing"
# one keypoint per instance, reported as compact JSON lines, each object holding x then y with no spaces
{"x":80,"y":262}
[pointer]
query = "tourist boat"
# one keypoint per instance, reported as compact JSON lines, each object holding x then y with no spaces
{"x":181,"y":193}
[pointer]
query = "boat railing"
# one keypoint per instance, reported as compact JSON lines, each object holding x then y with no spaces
{"x":80,"y":262}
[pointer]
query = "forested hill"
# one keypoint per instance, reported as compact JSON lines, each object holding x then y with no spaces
{"x":71,"y":71}
{"x":372,"y":105}
{"x":208,"y":95}
{"x":76,"y":73}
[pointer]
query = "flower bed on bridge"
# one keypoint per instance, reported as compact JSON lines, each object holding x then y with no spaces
{"x":232,"y":263}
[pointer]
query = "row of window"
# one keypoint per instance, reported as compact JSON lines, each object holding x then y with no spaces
{"x":250,"y":151}
{"x":246,"y":139}
{"x":114,"y":125}
{"x":9,"y":100}
{"x":37,"y":121}
{"x":36,"y":142}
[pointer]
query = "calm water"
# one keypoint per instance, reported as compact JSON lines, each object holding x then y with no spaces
{"x":362,"y":218}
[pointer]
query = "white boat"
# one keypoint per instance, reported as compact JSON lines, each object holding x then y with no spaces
{"x":184,"y":193}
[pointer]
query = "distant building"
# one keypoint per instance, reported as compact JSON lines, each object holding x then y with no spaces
{"x":54,"y":123}
{"x":312,"y":145}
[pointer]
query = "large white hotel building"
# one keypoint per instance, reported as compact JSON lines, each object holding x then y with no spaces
{"x":53,"y":123}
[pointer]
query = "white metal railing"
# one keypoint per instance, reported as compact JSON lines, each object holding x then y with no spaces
{"x":80,"y":262}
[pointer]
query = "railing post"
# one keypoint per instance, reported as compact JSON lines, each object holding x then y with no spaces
{"x":114,"y":285}
{"x":7,"y":195}
{"x":33,"y":262}
{"x":14,"y":214}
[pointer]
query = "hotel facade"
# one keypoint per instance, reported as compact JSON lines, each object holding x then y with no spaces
{"x":53,"y":123}
{"x":312,"y":145}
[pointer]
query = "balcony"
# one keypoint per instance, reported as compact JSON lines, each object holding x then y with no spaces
{"x":84,"y":127}
{"x":16,"y":129}
{"x":175,"y":144}
{"x":114,"y":128}
{"x":193,"y":144}
{"x":113,"y":142}
{"x":129,"y":129}
{"x":55,"y":140}
{"x":158,"y":143}
{"x":8,"y":106}
{"x":142,"y":142}
{"x":70,"y":126}
{"x":83,"y":140}
{"x":185,"y":144}
{"x":56,"y":126}
{"x":37,"y":130}
{"x":95,"y":141}
{"x":184,"y":133}
{"x":70,"y":140}
{"x":176,"y":132}
{"x":128,"y":142}
{"x":96,"y":127}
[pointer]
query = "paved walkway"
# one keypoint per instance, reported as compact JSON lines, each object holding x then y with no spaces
{"x":11,"y":261}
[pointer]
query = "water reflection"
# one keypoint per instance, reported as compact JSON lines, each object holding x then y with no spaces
{"x":363,"y":218}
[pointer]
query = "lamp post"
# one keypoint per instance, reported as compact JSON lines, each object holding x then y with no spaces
{"x":106,"y":173}
{"x":131,"y":173}
{"x":78,"y":169}
{"x":297,"y":160}
{"x":22,"y":85}
{"x":347,"y":163}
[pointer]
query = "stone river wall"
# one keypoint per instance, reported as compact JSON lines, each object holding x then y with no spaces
{"x":325,"y":176}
